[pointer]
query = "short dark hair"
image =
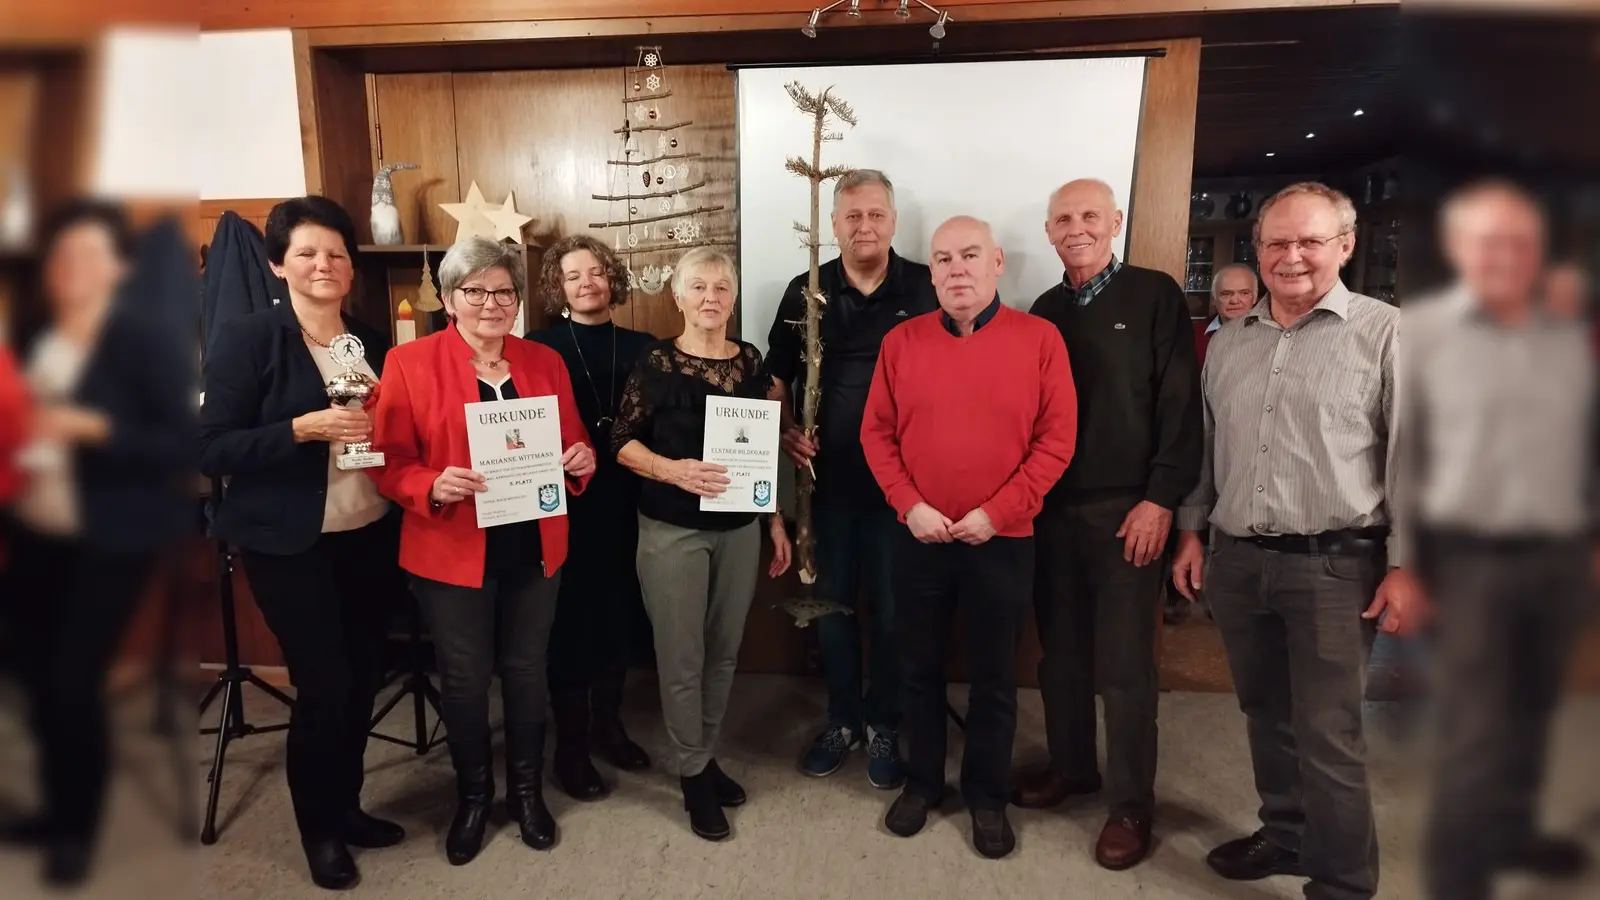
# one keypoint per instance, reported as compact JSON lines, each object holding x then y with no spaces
{"x":551,"y":276}
{"x":312,"y":210}
{"x":108,"y":214}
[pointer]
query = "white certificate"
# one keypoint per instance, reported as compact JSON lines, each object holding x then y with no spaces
{"x":516,"y":447}
{"x":743,"y":435}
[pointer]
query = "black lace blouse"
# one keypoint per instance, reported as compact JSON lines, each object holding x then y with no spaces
{"x":664,"y":408}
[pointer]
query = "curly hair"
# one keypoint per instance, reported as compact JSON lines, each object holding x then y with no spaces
{"x":551,"y":278}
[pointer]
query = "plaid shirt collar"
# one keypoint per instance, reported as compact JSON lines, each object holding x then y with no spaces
{"x":1093,"y":286}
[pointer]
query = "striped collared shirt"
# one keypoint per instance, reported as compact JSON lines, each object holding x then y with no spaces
{"x":1082,"y":295}
{"x":1299,"y":423}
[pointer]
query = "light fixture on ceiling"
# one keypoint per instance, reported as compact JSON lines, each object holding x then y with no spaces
{"x":1310,"y":135}
{"x":1272,"y":153}
{"x":810,"y":28}
{"x":904,"y":12}
{"x":938,"y":27}
{"x":1361,"y":112}
{"x":855,"y":9}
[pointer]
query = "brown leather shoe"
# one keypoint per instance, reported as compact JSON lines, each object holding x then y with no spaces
{"x":1047,"y":787}
{"x":1124,"y":842}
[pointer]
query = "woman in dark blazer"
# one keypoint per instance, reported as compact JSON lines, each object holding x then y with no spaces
{"x":487,"y":594}
{"x":318,"y":542}
{"x":107,"y":483}
{"x":590,"y":646}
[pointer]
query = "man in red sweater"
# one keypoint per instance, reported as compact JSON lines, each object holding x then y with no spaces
{"x":971,"y":418}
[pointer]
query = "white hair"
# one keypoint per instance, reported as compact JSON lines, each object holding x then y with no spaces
{"x":1216,"y":278}
{"x":700,"y":258}
{"x":1110,"y":192}
{"x":479,"y":254}
{"x":1342,"y":205}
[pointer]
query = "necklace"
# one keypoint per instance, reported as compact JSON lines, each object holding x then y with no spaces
{"x":611,"y":394}
{"x":313,"y":338}
{"x":491,"y":363}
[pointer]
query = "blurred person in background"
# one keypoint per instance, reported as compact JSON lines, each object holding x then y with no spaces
{"x":15,"y":411}
{"x":105,"y":491}
{"x":319,"y":543}
{"x":1500,"y":460}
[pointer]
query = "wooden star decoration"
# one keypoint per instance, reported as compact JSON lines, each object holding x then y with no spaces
{"x":507,"y":221}
{"x":472,"y":215}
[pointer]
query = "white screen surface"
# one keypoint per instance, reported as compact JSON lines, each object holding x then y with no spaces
{"x":988,"y":139}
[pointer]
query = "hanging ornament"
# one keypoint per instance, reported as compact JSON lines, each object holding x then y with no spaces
{"x":652,"y":60}
{"x":666,"y":205}
{"x":636,"y":84}
{"x":654,"y":113}
{"x":641,"y":112}
{"x":633,"y":240}
{"x":619,"y":241}
{"x":660,"y":180}
{"x":672,"y":171}
{"x":678,"y":203}
{"x":653,"y":82}
{"x":646,"y":177}
{"x":661,"y":143}
{"x":683,"y":172}
{"x":674,"y":143}
{"x":632,"y":146}
{"x":633,"y":210}
{"x":427,"y":294}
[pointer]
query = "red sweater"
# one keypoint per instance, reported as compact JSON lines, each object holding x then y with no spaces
{"x":985,"y":420}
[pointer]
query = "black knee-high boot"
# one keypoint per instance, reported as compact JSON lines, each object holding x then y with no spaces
{"x":574,"y":771}
{"x":525,"y":785}
{"x":474,"y":764}
{"x":610,"y":739}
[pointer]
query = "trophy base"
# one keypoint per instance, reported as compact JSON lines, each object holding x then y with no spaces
{"x":348,"y":461}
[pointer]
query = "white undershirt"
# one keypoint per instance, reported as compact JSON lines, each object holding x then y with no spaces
{"x":49,"y":501}
{"x":353,"y":499}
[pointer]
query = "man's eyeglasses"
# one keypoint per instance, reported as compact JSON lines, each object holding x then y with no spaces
{"x":477,"y":296}
{"x":1306,"y":244}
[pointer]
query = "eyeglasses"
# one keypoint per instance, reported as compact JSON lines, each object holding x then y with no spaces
{"x":477,"y":296}
{"x":1306,"y":244}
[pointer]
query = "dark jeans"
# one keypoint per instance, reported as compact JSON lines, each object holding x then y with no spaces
{"x":66,"y":608}
{"x":1509,"y":612}
{"x":329,"y":608}
{"x":1097,"y":625}
{"x":1298,"y":647}
{"x":991,"y":584}
{"x":504,"y":627}
{"x":854,"y":548}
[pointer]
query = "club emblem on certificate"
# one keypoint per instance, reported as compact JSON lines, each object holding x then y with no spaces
{"x":762,"y":494}
{"x":549,"y":497}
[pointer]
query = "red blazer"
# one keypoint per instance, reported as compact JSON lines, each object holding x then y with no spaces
{"x":419,"y":426}
{"x":15,"y":413}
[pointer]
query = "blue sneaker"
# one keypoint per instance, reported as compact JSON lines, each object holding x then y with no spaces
{"x":885,"y":770}
{"x":828,"y":753}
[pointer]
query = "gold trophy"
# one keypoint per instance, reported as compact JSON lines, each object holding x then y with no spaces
{"x":352,"y":388}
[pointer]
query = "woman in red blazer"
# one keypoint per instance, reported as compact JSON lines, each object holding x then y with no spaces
{"x":15,"y":410}
{"x":487,"y":594}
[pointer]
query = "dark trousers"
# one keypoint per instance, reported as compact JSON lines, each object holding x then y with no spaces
{"x":329,"y":608}
{"x":1509,"y":612}
{"x":1297,"y":647}
{"x":504,"y":627}
{"x":1096,"y":614}
{"x":66,"y":608}
{"x":991,"y":585}
{"x":854,"y":547}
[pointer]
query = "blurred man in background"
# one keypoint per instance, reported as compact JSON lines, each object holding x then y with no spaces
{"x":1499,"y":460}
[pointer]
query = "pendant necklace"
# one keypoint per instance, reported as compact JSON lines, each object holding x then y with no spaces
{"x":611,"y":395}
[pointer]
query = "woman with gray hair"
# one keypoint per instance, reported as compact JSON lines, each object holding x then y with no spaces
{"x":488,"y":595}
{"x":697,"y":569}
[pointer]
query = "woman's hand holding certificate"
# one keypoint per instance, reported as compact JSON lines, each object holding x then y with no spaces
{"x":578,"y":460}
{"x":456,"y":484}
{"x":702,"y":479}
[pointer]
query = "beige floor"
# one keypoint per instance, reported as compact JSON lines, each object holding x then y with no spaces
{"x":797,"y":838}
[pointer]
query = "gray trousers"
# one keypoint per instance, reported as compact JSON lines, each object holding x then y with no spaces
{"x":1509,"y":612}
{"x":1297,"y":647}
{"x":697,"y":588}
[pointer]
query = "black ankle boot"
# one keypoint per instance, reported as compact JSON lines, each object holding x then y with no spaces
{"x":474,"y":765}
{"x":706,"y":818}
{"x":611,"y":741}
{"x":525,"y":786}
{"x":332,"y":867}
{"x":574,"y":771}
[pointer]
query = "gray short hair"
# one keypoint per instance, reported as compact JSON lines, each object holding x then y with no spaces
{"x":1342,"y":204}
{"x":856,"y":178}
{"x":478,"y":254}
{"x":700,"y":258}
{"x":1216,"y":277}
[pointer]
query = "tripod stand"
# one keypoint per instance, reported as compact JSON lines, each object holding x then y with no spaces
{"x":231,"y":724}
{"x":423,"y":694}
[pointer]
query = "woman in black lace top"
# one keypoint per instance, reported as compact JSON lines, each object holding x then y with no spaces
{"x":697,"y":569}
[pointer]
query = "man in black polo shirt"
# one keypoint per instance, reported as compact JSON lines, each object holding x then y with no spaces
{"x":870,"y":290}
{"x":1103,"y":532}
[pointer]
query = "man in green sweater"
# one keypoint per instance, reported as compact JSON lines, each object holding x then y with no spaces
{"x":1103,"y":531}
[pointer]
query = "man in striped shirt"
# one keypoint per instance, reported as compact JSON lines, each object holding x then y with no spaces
{"x":1298,"y":487}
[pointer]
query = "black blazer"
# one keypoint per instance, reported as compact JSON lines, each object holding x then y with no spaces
{"x":259,"y":376}
{"x":135,"y":492}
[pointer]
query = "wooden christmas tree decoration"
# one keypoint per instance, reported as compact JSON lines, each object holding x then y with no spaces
{"x":824,"y":110}
{"x":427,"y":294}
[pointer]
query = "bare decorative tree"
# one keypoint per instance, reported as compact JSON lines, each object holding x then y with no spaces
{"x":824,"y":109}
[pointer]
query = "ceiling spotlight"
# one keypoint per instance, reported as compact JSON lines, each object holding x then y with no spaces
{"x":1271,"y":153}
{"x":810,"y":28}
{"x":938,"y":27}
{"x":855,"y":9}
{"x":904,"y":12}
{"x":1310,"y":135}
{"x":1361,"y":112}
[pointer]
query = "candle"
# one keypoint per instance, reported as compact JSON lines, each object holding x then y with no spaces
{"x":404,"y":328}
